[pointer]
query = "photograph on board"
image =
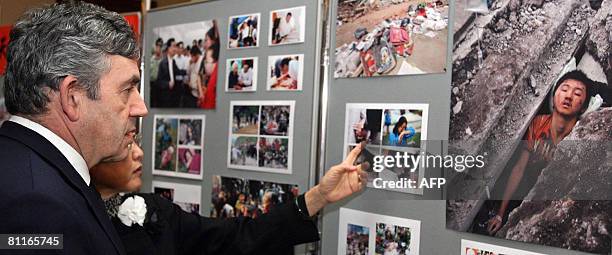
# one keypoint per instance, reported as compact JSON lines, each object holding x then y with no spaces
{"x":243,"y":31}
{"x":238,"y":197}
{"x":178,"y":145}
{"x":375,"y":38}
{"x":188,"y":197}
{"x":285,"y":72}
{"x":261,"y":136}
{"x":241,"y":75}
{"x":536,"y":113}
{"x":287,"y":26}
{"x":183,"y":65}
{"x":369,"y":233}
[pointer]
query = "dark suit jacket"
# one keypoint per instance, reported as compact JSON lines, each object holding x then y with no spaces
{"x":168,"y":230}
{"x":161,"y":94}
{"x":42,"y":193}
{"x":163,"y":73}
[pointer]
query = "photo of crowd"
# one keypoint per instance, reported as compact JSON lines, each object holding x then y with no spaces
{"x":178,"y":145}
{"x":389,"y":235}
{"x":241,"y":75}
{"x":288,"y":26}
{"x":275,"y":120}
{"x":381,"y":38}
{"x":285,"y":72}
{"x":166,"y":130}
{"x":388,"y":129}
{"x":183,"y":65}
{"x":187,"y":197}
{"x":357,"y":240}
{"x":245,"y":119}
{"x":273,"y":153}
{"x":243,"y":31}
{"x":392,"y":240}
{"x":244,"y":151}
{"x":261,"y":136}
{"x":236,"y":197}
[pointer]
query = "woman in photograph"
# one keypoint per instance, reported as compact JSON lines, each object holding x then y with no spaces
{"x":150,"y":224}
{"x":208,"y":68}
{"x":195,"y":79}
{"x":401,"y":133}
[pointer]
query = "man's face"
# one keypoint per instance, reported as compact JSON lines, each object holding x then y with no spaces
{"x":172,"y":49}
{"x":114,"y":114}
{"x":245,"y":67}
{"x":569,"y":97}
{"x":288,"y":18}
{"x":284,"y":69}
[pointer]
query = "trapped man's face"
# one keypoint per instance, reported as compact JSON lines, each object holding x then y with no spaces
{"x":569,"y":97}
{"x":114,"y":114}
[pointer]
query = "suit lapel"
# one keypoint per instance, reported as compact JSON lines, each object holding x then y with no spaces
{"x":46,"y":150}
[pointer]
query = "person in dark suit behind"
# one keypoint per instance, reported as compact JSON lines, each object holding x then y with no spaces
{"x":163,"y":228}
{"x":167,"y":84}
{"x":71,"y":85}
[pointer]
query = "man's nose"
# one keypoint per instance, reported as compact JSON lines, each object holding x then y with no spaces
{"x":138,"y":108}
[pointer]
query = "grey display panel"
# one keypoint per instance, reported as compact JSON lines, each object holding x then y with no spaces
{"x":433,"y":89}
{"x":216,"y":130}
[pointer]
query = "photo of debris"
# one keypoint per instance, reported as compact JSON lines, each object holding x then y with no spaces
{"x":390,"y":37}
{"x":530,"y":90}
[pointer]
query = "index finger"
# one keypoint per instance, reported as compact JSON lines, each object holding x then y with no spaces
{"x":352,"y":156}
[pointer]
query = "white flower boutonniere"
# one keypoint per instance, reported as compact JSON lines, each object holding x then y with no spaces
{"x":133,"y":210}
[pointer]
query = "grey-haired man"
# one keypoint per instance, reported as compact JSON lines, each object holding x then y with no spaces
{"x":72,"y":87}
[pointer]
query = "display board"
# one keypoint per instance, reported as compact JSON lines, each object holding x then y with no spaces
{"x":215,"y":151}
{"x":432,"y":89}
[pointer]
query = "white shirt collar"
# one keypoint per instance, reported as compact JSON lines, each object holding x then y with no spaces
{"x":75,"y":159}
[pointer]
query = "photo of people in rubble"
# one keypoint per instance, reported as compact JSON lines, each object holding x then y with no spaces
{"x":390,"y":37}
{"x":237,"y":197}
{"x":243,"y":31}
{"x":261,"y":136}
{"x":183,"y":65}
{"x":539,"y":114}
{"x":288,"y":26}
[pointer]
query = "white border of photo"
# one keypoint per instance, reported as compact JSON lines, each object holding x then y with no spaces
{"x":302,"y":25}
{"x":289,"y":135}
{"x":200,"y":147}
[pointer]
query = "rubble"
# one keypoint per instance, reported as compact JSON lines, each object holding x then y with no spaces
{"x":581,"y":175}
{"x":521,"y":61}
{"x":600,"y":38}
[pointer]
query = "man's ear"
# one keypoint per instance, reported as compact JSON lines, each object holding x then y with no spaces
{"x":70,"y":97}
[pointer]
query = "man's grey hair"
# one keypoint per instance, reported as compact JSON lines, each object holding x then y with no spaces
{"x":50,"y":43}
